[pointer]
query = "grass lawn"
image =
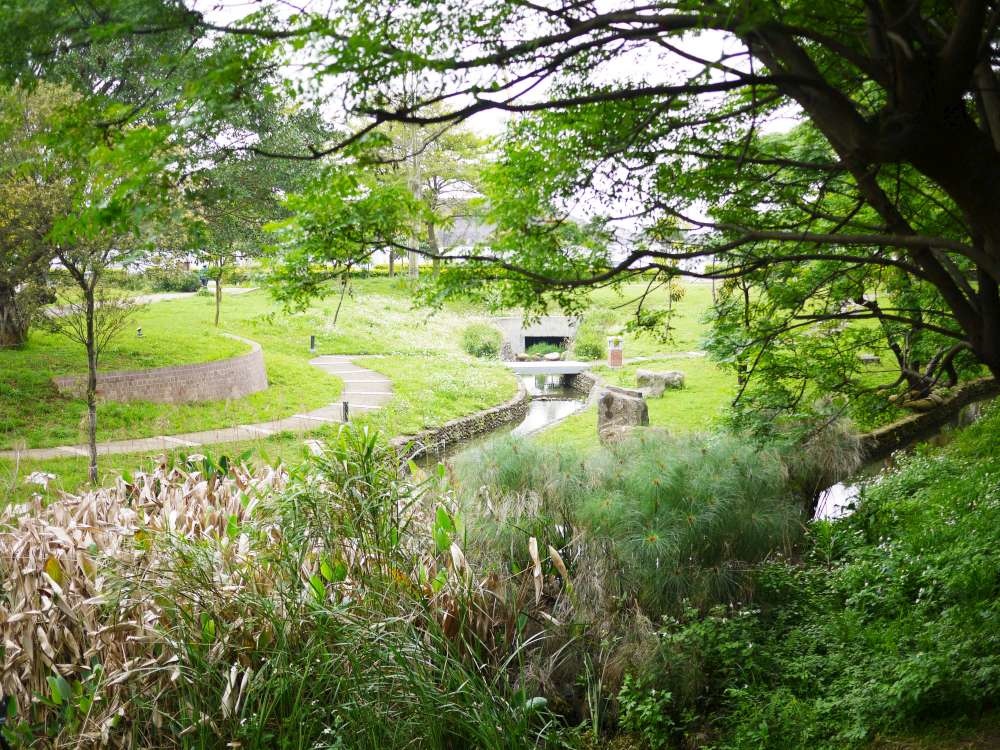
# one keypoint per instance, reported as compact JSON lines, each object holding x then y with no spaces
{"x":429,"y":391}
{"x":433,"y":380}
{"x":175,"y":332}
{"x":694,"y":408}
{"x":687,"y":326}
{"x":418,"y":349}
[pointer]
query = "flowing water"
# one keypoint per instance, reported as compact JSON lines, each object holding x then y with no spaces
{"x":551,"y":402}
{"x":840,"y":499}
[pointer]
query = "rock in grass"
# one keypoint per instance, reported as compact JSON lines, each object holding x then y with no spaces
{"x":653,"y":384}
{"x":618,"y":407}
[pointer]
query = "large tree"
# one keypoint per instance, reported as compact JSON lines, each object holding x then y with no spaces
{"x":659,"y":117}
{"x":32,"y":198}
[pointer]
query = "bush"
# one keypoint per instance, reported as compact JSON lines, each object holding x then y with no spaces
{"x":171,"y":279}
{"x":482,"y":340}
{"x":591,"y":340}
{"x":330,"y":608}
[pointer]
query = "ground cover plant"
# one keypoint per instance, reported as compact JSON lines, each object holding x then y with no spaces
{"x":481,"y":340}
{"x":883,"y":629}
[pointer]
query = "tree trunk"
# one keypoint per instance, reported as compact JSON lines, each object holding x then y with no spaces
{"x":218,"y":298}
{"x":91,"y":384}
{"x":13,"y":321}
{"x":414,"y":268}
{"x":432,"y":241}
{"x":392,"y":265}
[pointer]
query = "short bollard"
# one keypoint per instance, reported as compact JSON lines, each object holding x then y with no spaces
{"x":312,"y":344}
{"x":347,"y":414}
{"x":615,"y":355}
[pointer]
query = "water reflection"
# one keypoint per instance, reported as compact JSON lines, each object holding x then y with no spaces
{"x":542,"y":413}
{"x":837,"y":501}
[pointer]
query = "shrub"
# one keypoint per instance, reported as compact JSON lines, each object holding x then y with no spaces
{"x":218,"y":606}
{"x":591,"y":335}
{"x":172,"y":279}
{"x":482,"y":340}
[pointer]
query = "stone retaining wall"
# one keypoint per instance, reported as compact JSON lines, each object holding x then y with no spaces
{"x":881,"y":442}
{"x":583,"y":383}
{"x":206,"y":381}
{"x":437,"y":440}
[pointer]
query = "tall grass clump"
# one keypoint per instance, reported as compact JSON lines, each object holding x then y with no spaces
{"x":481,"y":340}
{"x":689,"y":518}
{"x":685,"y":518}
{"x":653,"y":529}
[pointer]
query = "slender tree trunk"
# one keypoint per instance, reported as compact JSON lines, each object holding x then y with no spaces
{"x":392,"y":265}
{"x":218,"y":298}
{"x":414,"y":268}
{"x":13,"y":321}
{"x":91,"y":383}
{"x":433,"y":242}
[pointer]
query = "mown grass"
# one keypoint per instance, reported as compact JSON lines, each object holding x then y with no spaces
{"x":434,"y":381}
{"x":687,"y":323}
{"x":697,"y":407}
{"x":428,"y":391}
{"x":377,"y":318}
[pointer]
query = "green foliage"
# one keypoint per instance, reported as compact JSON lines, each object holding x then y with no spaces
{"x":172,"y":279}
{"x":686,"y":518}
{"x":481,"y":340}
{"x":646,"y":712}
{"x":317,"y":633}
{"x":542,"y":349}
{"x":591,"y":341}
{"x":337,"y":222}
{"x":888,"y":623}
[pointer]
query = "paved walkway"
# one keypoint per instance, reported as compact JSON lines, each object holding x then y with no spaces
{"x":364,"y":390}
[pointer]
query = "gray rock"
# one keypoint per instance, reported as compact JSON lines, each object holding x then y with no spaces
{"x":619,"y":407}
{"x":616,"y":433}
{"x":553,"y":356}
{"x":653,"y":384}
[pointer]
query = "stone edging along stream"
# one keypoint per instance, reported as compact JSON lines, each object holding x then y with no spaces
{"x":437,"y":439}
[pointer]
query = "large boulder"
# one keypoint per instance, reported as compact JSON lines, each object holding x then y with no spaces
{"x":652,"y":384}
{"x":620,"y":407}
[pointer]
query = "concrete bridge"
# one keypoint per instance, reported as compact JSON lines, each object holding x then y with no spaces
{"x":549,"y":368}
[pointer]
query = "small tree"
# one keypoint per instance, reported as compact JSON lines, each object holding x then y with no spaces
{"x":90,"y":316}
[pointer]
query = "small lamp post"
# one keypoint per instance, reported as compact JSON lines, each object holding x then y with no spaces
{"x":615,"y":345}
{"x":138,"y":332}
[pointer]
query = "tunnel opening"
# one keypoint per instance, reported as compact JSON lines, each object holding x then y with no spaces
{"x":560,"y":341}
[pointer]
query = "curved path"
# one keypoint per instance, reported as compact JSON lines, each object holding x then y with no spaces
{"x":364,"y":390}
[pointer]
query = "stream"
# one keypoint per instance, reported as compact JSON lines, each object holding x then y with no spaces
{"x":839,"y":499}
{"x":551,"y":402}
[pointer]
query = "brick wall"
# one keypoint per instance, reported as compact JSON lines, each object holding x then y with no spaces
{"x":206,"y":381}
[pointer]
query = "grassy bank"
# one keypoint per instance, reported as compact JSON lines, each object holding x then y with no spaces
{"x":697,"y":407}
